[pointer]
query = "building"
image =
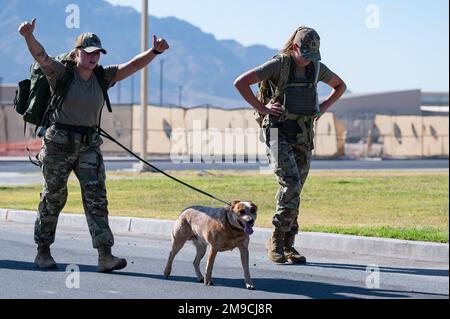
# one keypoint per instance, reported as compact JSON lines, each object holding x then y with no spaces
{"x":411,"y":102}
{"x":407,"y":123}
{"x":357,"y":112}
{"x":7,"y":93}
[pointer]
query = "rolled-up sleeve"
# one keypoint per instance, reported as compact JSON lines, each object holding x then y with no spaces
{"x":54,"y":73}
{"x":110,"y":74}
{"x":269,"y":70}
{"x":325,"y":73}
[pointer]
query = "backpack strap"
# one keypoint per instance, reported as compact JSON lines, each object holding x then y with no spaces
{"x":36,"y":162}
{"x":316,"y":72}
{"x":100,"y":74}
{"x":284,"y":77}
{"x":316,"y":80}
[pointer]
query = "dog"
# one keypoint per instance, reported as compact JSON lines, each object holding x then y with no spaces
{"x":223,"y":229}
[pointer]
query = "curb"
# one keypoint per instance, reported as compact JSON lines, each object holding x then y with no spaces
{"x":415,"y":250}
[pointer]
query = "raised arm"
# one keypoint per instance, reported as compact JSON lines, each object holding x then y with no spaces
{"x":141,"y":60}
{"x":47,"y":64}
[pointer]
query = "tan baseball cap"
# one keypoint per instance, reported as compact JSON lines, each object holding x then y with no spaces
{"x":309,"y":42}
{"x":89,"y":42}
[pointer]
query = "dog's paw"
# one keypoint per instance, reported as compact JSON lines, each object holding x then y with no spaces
{"x":250,"y":287}
{"x":201,"y":280}
{"x":208,"y":282}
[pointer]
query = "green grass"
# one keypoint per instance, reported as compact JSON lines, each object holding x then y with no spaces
{"x":425,"y":234}
{"x":395,"y":204}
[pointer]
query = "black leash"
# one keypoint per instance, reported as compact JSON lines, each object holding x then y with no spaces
{"x":106,"y":135}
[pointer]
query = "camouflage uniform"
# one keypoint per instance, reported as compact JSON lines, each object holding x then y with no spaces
{"x":290,"y":152}
{"x":62,"y":152}
{"x":291,"y":162}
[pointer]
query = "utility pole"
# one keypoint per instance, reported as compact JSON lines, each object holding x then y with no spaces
{"x":118,"y":92}
{"x":132,"y":90}
{"x":180,"y":89}
{"x":1,"y":90}
{"x":144,"y":83}
{"x":161,"y":77}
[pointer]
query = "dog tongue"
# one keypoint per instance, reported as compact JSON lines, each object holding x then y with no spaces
{"x":248,"y":229}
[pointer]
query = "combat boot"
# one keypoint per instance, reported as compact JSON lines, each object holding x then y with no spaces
{"x":291,"y":254}
{"x":44,"y":259}
{"x":107,"y":262}
{"x":275,"y":246}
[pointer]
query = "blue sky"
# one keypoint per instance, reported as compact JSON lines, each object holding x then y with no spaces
{"x":409,"y":49}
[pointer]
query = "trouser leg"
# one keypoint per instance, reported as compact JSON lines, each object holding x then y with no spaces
{"x":288,"y":196}
{"x":303,"y":161}
{"x":90,"y":171}
{"x":56,"y":168}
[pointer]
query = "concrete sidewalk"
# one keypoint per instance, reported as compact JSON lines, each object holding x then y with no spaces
{"x":342,"y":243}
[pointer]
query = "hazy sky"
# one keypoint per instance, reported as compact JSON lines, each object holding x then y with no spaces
{"x":374,"y":46}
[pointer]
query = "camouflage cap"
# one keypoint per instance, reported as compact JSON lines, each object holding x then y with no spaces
{"x":309,"y":42}
{"x":89,"y":42}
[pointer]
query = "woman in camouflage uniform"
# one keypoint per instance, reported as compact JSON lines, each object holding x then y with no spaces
{"x":291,"y":110}
{"x":72,"y":143}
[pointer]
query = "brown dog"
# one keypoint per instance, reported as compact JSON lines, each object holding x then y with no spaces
{"x":223,"y":229}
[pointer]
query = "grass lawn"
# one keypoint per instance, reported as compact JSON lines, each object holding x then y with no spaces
{"x":394,"y":204}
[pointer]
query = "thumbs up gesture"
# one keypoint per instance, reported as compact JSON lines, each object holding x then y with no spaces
{"x":160,"y":45}
{"x":26,"y":29}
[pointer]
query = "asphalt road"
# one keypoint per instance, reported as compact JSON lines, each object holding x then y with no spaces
{"x":24,"y":166}
{"x":14,"y":172}
{"x":327,"y":275}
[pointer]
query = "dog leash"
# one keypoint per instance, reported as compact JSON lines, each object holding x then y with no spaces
{"x":106,"y":135}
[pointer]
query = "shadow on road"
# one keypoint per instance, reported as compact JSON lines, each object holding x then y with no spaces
{"x":311,"y":289}
{"x":404,"y":271}
{"x":25,"y":265}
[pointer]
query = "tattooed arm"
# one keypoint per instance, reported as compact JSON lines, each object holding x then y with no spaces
{"x":51,"y":68}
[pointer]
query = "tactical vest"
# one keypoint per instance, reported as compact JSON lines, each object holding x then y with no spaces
{"x":300,"y":101}
{"x":300,"y":97}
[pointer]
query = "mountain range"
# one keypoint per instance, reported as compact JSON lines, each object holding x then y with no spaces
{"x":198,"y":69}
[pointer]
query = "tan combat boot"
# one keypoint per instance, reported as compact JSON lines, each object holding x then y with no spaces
{"x":292,"y":255}
{"x":275,"y":246}
{"x":44,"y":259}
{"x":107,"y":262}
